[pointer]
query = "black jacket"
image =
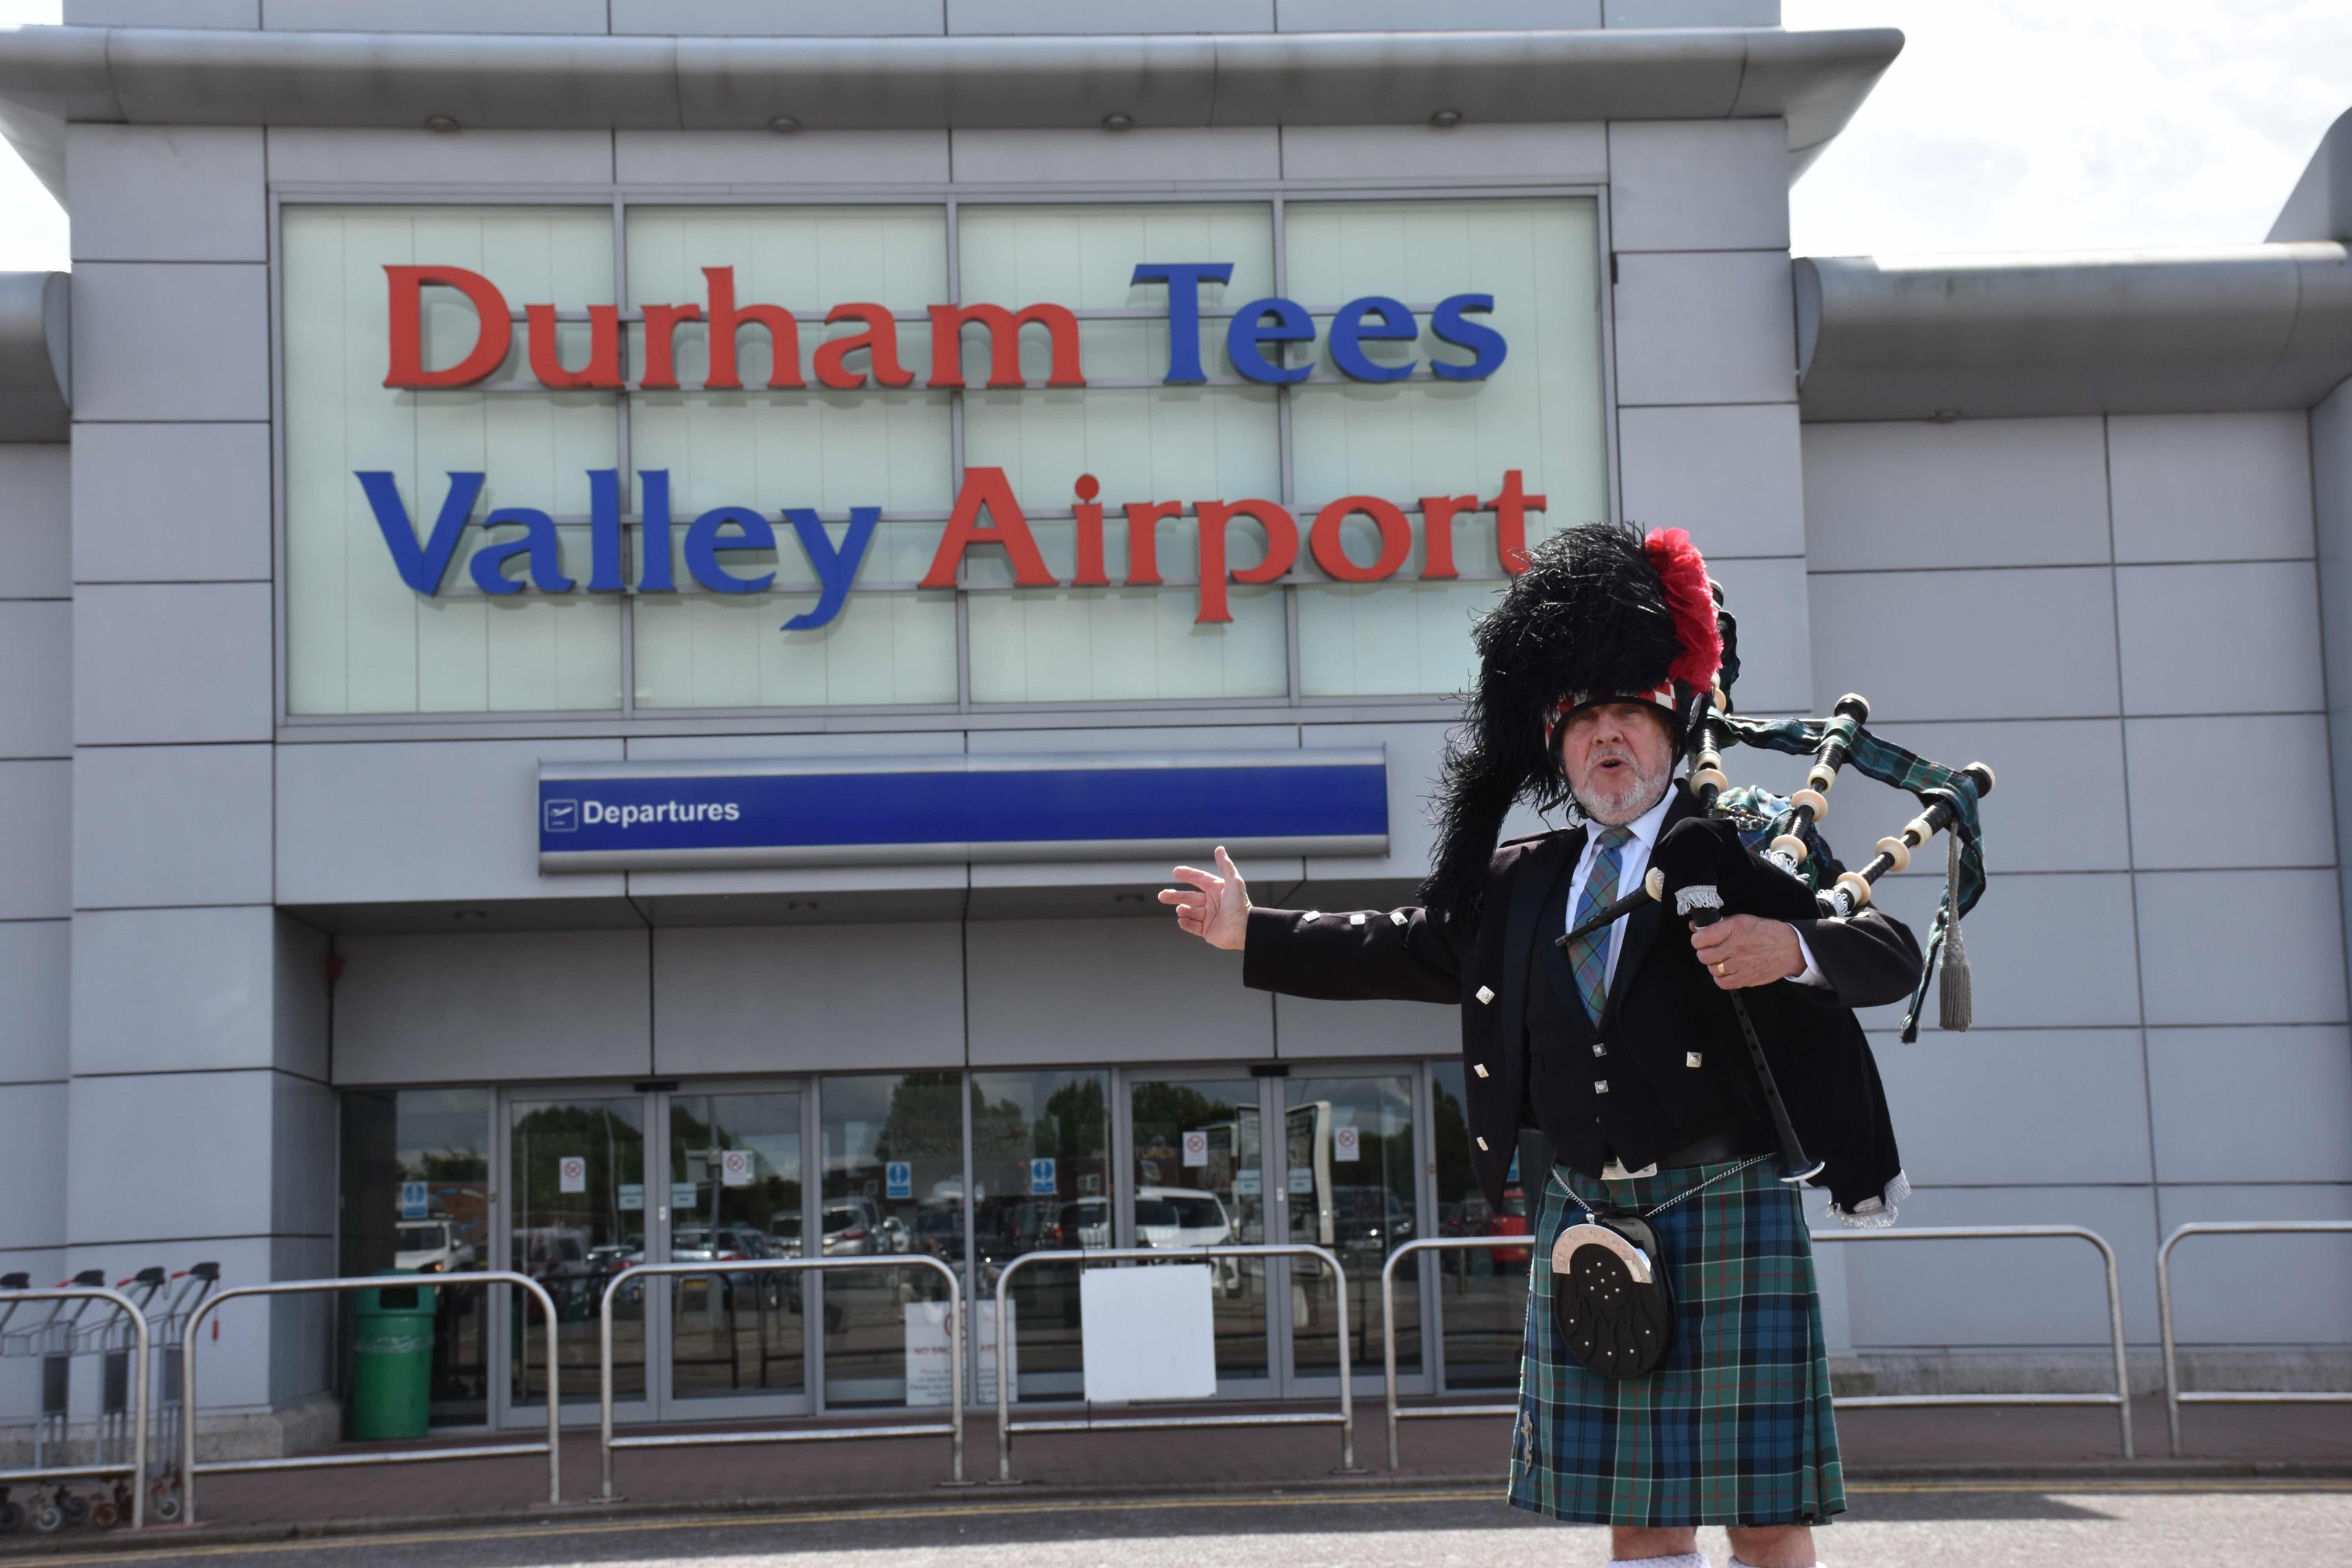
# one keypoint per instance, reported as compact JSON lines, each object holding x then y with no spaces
{"x":1661,"y":1005}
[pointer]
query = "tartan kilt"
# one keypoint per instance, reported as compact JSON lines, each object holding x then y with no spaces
{"x":1734,"y":1426}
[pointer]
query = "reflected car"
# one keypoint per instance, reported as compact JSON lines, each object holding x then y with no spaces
{"x":1180,"y":1216}
{"x":784,"y":1234}
{"x":1370,"y":1219}
{"x":852,"y":1228}
{"x":938,"y":1232}
{"x":433,"y":1246}
{"x":1511,"y":1221}
{"x":1085,"y":1223}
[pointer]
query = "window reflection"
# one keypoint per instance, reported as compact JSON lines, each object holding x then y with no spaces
{"x":1349,"y":1157}
{"x":1040,"y":1183}
{"x":735,"y":1196}
{"x":1483,"y":1292}
{"x":1199,"y":1169}
{"x":893,"y":1155}
{"x":416,"y":1196}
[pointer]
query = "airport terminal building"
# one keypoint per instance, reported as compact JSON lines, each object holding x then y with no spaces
{"x":610,"y":614}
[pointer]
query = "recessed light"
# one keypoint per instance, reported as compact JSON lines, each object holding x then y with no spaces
{"x":783,"y":122}
{"x":441,"y":122}
{"x":1119,"y":122}
{"x":1447,"y":119}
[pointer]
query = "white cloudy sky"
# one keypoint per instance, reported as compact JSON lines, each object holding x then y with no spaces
{"x":2006,"y":125}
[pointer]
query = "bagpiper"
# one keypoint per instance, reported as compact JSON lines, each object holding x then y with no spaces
{"x":1687,"y":1066}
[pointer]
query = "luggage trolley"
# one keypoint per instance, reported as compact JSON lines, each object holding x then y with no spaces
{"x":53,"y":1339}
{"x":167,"y":1331}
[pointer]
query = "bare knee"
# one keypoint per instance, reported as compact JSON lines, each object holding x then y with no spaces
{"x":1773,"y":1545}
{"x":1631,"y":1545}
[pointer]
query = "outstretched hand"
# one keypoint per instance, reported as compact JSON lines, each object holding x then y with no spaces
{"x":1214,"y":905}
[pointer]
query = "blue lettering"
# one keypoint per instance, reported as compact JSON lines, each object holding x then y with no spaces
{"x":1484,"y":343}
{"x":836,"y":568}
{"x":653,"y":535}
{"x":605,"y":531}
{"x":422,"y":568}
{"x":1248,"y":329}
{"x":489,"y":563}
{"x":1349,"y":328}
{"x":1183,"y":279}
{"x":704,"y":541}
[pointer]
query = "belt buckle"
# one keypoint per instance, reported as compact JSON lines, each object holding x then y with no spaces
{"x":1613,"y":1172}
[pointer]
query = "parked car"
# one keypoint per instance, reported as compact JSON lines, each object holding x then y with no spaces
{"x":1181,"y":1216}
{"x":433,"y":1246}
{"x":1085,"y":1223}
{"x":1370,"y":1219}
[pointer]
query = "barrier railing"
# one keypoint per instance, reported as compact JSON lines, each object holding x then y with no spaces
{"x":2120,"y":1399}
{"x":1387,"y":1329}
{"x":136,"y":1467}
{"x":2174,"y":1397}
{"x":951,"y":1428}
{"x":190,"y":1470}
{"x":1344,"y":1418}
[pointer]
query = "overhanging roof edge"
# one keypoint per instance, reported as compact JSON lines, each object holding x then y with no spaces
{"x":53,"y":75}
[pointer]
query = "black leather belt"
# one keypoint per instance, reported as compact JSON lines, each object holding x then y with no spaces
{"x":1715,"y":1149}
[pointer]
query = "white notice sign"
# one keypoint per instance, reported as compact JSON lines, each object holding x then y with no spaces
{"x":1148,"y":1334}
{"x":1196,"y":1148}
{"x":928,"y":1377}
{"x":572,"y":1173}
{"x":1345,"y":1144}
{"x":735,"y":1168}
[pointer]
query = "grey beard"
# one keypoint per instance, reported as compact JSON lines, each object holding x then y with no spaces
{"x":1647,"y":790}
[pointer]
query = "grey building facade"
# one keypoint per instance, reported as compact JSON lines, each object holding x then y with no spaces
{"x":290,"y":987}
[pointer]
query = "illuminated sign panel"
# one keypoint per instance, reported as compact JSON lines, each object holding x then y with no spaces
{"x":747,"y":457}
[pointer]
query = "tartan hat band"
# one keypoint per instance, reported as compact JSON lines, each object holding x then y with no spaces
{"x":1660,"y":696}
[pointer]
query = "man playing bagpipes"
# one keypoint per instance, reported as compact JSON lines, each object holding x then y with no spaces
{"x":1687,"y":1068}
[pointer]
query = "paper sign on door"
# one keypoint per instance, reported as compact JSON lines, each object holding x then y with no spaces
{"x":572,"y":1173}
{"x":1196,"y":1148}
{"x":1347,"y":1143}
{"x":929,"y":1376}
{"x":735,"y":1168}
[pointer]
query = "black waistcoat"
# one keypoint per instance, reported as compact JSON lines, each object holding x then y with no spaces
{"x":1602,"y":1092}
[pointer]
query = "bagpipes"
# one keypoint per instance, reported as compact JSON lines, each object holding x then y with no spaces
{"x":1712,"y":865}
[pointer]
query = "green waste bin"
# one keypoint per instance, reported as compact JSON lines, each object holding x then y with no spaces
{"x":392,"y":1356}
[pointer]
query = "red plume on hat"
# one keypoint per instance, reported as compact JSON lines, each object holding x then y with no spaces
{"x":1682,"y":573}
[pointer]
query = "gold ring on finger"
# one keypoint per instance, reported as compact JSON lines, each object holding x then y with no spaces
{"x":1723,"y":969}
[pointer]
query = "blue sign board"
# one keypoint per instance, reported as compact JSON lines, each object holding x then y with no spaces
{"x":619,"y":817}
{"x":1040,"y":1179}
{"x":899,"y":1180}
{"x":415,"y":1200}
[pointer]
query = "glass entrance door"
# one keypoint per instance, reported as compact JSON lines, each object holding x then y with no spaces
{"x":575,"y":1205}
{"x":736,"y":1343}
{"x":1350,"y":1176}
{"x":1199,"y":1178}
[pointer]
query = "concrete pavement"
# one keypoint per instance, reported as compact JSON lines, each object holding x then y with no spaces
{"x":2250,"y":1524}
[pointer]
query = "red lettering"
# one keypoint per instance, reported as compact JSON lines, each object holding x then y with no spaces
{"x":1144,"y":539}
{"x":880,"y":340}
{"x":1331,"y":554}
{"x":1437,"y":515}
{"x":1089,"y":514}
{"x":661,"y":330}
{"x":493,"y":337}
{"x":727,"y":317}
{"x":1281,"y":551}
{"x":603,"y":371}
{"x":948,"y":322}
{"x":1510,"y":510}
{"x":987,"y":490}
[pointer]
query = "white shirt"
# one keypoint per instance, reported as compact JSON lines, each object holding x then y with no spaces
{"x":1633,"y":864}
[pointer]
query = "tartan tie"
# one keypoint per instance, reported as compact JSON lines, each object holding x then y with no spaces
{"x":1589,"y":955}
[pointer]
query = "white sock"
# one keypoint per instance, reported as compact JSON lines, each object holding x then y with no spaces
{"x":1688,"y":1560}
{"x":1735,"y":1562}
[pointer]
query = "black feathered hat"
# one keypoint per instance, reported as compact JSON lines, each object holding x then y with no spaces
{"x":1600,"y":614}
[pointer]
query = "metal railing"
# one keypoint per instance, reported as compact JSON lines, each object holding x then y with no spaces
{"x":136,"y":1467}
{"x":190,"y":1470}
{"x":2174,"y":1398}
{"x":2120,"y":1398}
{"x":951,"y":1428}
{"x":1344,"y":1418}
{"x":1387,"y":1329}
